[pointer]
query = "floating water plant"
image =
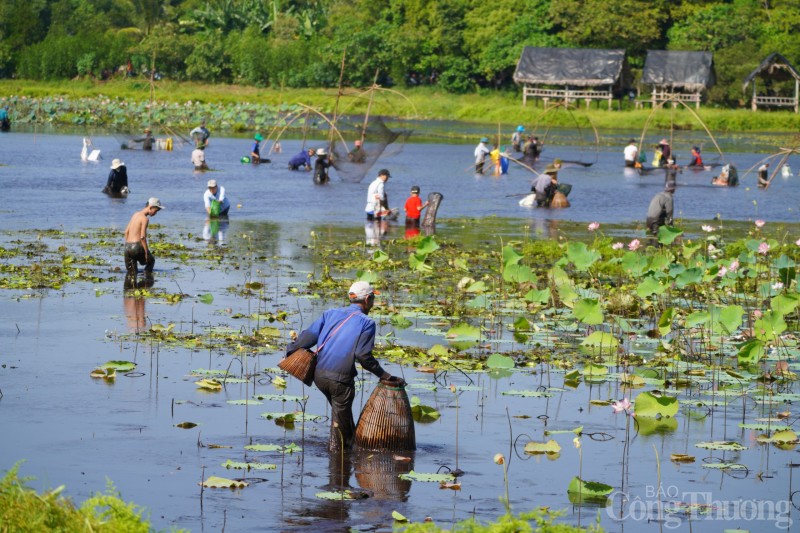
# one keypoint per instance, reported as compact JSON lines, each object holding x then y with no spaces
{"x":248,"y":466}
{"x":215,"y":482}
{"x":655,"y":405}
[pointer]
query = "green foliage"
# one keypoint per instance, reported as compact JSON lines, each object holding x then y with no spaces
{"x":23,"y":510}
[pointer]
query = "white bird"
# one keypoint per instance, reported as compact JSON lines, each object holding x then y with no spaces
{"x":94,"y":155}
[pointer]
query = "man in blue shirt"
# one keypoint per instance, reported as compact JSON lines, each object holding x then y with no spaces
{"x":303,"y":159}
{"x":343,"y":336}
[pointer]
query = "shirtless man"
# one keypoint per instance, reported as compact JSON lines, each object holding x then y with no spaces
{"x":136,"y":249}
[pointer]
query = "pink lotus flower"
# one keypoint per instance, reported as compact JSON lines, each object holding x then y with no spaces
{"x":757,"y":314}
{"x":707,"y":228}
{"x":594,"y":226}
{"x":763,"y":248}
{"x":634,"y":245}
{"x":777,"y":286}
{"x":734,"y":266}
{"x":619,"y":245}
{"x":760,"y":223}
{"x":621,"y":406}
{"x":722,"y":272}
{"x":797,"y":242}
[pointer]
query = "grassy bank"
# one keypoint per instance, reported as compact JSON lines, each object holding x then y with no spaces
{"x":425,"y":103}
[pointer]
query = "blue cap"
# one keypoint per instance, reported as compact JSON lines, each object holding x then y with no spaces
{"x":520,"y":128}
{"x":484,"y":139}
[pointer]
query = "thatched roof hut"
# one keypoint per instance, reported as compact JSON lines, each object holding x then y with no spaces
{"x":775,"y":68}
{"x":568,"y":68}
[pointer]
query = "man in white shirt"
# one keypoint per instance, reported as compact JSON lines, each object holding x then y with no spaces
{"x":216,"y":193}
{"x":631,"y":154}
{"x":376,"y":196}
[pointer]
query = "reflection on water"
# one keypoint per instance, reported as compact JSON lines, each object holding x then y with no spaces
{"x":214,"y":230}
{"x":133,"y":304}
{"x":379,"y":473}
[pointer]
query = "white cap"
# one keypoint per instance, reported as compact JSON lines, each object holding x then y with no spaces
{"x":360,"y":290}
{"x":116,"y":163}
{"x":155,"y":202}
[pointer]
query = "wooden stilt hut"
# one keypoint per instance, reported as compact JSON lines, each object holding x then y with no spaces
{"x":775,"y":69}
{"x":678,"y":75}
{"x":569,"y":74}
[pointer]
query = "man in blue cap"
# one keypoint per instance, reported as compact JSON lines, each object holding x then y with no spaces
{"x":516,"y":139}
{"x":481,"y":151}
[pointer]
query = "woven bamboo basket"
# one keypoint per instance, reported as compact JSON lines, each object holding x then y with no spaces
{"x":379,"y":473}
{"x":386,"y":422}
{"x":301,"y":364}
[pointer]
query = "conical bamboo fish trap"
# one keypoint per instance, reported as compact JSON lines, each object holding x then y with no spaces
{"x":386,"y":422}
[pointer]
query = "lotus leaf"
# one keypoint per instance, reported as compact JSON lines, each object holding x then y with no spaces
{"x":519,"y":274}
{"x":750,"y":352}
{"x":433,"y":478}
{"x":725,"y":466}
{"x":427,"y":245}
{"x":589,"y":489}
{"x":698,"y":318}
{"x":601,"y":340}
{"x":730,"y":318}
{"x":588,"y":311}
{"x":665,"y":322}
{"x":497,"y":360}
{"x":591,"y":369}
{"x":268,"y":331}
{"x":297,"y":416}
{"x":464,"y":332}
{"x":424,"y":413}
{"x":527,"y":393}
{"x":215,"y":482}
{"x":721,"y":445}
{"x":437,"y":350}
{"x":654,"y":404}
{"x":264,"y":447}
{"x":650,"y":286}
{"x":186,"y":425}
{"x":784,"y":436}
{"x":510,"y":256}
{"x":206,"y":298}
{"x":244,"y":402}
{"x":549,"y":447}
{"x":681,"y":458}
{"x":209,"y":384}
{"x":281,"y":397}
{"x":667,"y":234}
{"x":249,"y":466}
{"x":120,"y":366}
{"x":538,"y":296}
{"x":769,"y":326}
{"x":581,"y":256}
{"x":399,"y":517}
{"x":379,"y":256}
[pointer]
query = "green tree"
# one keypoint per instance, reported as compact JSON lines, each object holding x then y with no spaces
{"x":633,"y":25}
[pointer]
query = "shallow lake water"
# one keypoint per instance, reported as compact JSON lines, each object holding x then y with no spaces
{"x":78,"y":431}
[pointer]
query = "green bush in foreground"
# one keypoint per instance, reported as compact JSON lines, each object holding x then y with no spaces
{"x":536,"y":521}
{"x":22,"y":510}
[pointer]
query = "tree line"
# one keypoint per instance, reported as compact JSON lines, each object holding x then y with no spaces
{"x":459,"y":45}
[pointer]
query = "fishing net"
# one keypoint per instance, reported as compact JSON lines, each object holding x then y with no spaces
{"x":379,"y":141}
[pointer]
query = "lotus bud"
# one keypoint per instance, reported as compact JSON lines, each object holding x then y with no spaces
{"x":499,"y":459}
